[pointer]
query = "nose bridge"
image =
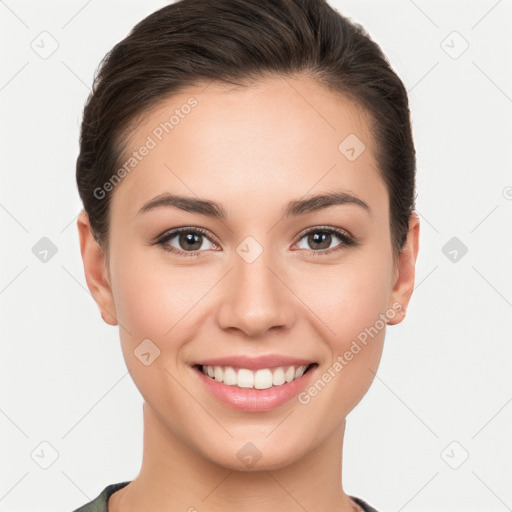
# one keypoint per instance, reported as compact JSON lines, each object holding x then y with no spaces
{"x":255,"y":299}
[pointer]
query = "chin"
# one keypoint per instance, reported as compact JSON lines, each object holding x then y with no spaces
{"x":254,"y":453}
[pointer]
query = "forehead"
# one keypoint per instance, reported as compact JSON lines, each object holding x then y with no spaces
{"x":276,"y":138}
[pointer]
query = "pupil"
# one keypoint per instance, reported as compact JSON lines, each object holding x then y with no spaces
{"x":317,"y":238}
{"x":191,"y":240}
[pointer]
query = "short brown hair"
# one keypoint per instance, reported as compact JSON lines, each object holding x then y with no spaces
{"x":235,"y":41}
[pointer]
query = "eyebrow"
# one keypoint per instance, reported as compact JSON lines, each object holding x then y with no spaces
{"x":215,"y":210}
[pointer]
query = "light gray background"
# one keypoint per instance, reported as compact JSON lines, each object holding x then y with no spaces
{"x":444,"y":387}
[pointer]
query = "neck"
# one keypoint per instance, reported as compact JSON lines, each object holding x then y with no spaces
{"x":175,"y":477}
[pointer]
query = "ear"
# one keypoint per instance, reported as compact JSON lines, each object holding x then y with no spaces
{"x":96,"y":270}
{"x":405,"y":271}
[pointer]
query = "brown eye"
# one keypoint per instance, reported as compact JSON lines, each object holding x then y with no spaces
{"x":320,"y":240}
{"x":186,"y":241}
{"x":190,"y":241}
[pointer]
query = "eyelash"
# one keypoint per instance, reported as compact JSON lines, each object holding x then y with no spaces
{"x":347,"y":240}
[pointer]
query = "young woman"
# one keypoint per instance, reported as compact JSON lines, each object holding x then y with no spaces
{"x":247,"y":171}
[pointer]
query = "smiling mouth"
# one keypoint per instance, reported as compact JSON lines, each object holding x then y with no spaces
{"x":263,"y":378}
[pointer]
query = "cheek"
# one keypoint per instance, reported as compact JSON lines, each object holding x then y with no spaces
{"x":150,"y":296}
{"x":350,"y":301}
{"x":152,"y":304}
{"x":354,"y":310}
{"x":347,"y":297}
{"x":159,"y":302}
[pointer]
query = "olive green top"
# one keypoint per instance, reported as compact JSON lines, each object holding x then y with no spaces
{"x":99,"y":504}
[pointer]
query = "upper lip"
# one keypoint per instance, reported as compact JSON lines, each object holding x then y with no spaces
{"x":255,"y":363}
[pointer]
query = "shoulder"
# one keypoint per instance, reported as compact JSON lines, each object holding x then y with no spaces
{"x":363,"y":504}
{"x":99,"y":504}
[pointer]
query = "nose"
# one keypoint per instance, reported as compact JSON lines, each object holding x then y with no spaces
{"x":256,"y":297}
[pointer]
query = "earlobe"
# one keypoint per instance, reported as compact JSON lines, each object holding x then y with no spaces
{"x":406,"y":266}
{"x":96,"y":271}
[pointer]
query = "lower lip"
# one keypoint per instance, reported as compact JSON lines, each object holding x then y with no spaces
{"x":255,"y":400}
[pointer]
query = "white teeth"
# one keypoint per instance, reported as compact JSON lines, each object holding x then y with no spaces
{"x":230,"y":377}
{"x":290,"y":374}
{"x":299,"y":372}
{"x":245,"y":378}
{"x":278,"y":377}
{"x":218,"y":373}
{"x":260,"y":379}
{"x":263,"y":379}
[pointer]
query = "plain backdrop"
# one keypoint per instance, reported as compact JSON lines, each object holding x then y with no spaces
{"x":434,"y":431}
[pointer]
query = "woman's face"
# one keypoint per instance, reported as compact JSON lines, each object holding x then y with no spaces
{"x":263,"y":281}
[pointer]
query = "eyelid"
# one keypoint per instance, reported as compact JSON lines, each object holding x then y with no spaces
{"x":330,"y":229}
{"x":171,"y":233}
{"x":168,"y":235}
{"x":347,"y":239}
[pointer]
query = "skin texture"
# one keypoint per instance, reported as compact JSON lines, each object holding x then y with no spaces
{"x":253,"y":150}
